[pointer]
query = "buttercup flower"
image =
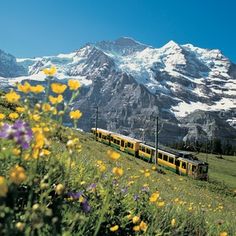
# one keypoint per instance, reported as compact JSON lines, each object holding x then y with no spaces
{"x":2,"y":116}
{"x":75,"y":115}
{"x":37,"y":89}
{"x":20,"y":109}
{"x":117,"y":171}
{"x":173,"y":222}
{"x":13,"y":116}
{"x":143,"y":226}
{"x":17,"y":174}
{"x":12,"y":97}
{"x":25,"y":88}
{"x":56,"y":100}
{"x":51,"y":71}
{"x":3,"y":187}
{"x":135,"y":219}
{"x":114,"y":228}
{"x":58,"y":88}
{"x":73,"y":84}
{"x":154,"y":197}
{"x":113,"y":155}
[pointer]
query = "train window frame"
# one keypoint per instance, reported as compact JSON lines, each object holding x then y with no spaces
{"x":148,"y":151}
{"x":194,"y":168}
{"x":177,"y":163}
{"x":165,"y":158}
{"x":183,"y":166}
{"x":171,"y":160}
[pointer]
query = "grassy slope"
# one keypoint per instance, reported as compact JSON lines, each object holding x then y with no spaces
{"x":215,"y":201}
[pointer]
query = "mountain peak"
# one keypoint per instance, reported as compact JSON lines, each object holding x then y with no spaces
{"x":127,"y":41}
{"x":122,"y":46}
{"x":171,"y":44}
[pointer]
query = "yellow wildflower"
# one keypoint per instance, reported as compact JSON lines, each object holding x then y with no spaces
{"x":154,"y":197}
{"x":223,"y":233}
{"x":135,"y":219}
{"x":51,"y":71}
{"x":143,"y":226}
{"x":113,"y":155}
{"x":56,"y":100}
{"x":25,"y":88}
{"x":114,"y":228}
{"x":102,"y":168}
{"x":20,"y":109}
{"x":173,"y":222}
{"x":13,"y":115}
{"x":147,"y":174}
{"x":75,"y":115}
{"x":117,"y":171}
{"x":12,"y":97}
{"x":73,"y":84}
{"x":17,"y":174}
{"x":58,"y":88}
{"x":59,"y":189}
{"x":37,"y":89}
{"x":20,"y":226}
{"x":46,"y":107}
{"x":3,"y":187}
{"x":39,"y":140}
{"x":160,"y":204}
{"x":2,"y":116}
{"x":16,"y":151}
{"x":136,"y":228}
{"x":35,"y":117}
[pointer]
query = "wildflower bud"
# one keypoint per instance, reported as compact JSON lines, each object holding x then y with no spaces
{"x":35,"y":207}
{"x":20,"y":226}
{"x":44,"y":186}
{"x":59,"y":189}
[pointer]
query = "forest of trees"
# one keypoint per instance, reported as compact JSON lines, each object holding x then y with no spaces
{"x":215,"y":146}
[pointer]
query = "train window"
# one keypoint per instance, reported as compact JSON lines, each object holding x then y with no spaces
{"x":177,"y":163}
{"x":165,"y":158}
{"x":160,"y":155}
{"x":132,"y":145}
{"x":143,"y":149}
{"x":140,"y":147}
{"x":183,"y":165}
{"x":194,"y":168}
{"x":100,"y":135}
{"x":171,"y":159}
{"x":118,"y":142}
{"x":111,"y":138}
{"x":122,"y":143}
{"x":148,"y":151}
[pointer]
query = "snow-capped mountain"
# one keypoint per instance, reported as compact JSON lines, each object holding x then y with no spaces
{"x":132,"y":81}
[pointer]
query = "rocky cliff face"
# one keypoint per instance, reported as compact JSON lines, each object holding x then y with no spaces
{"x":192,"y":90}
{"x":9,"y":67}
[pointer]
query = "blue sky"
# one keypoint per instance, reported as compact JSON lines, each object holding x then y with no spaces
{"x":46,"y":27}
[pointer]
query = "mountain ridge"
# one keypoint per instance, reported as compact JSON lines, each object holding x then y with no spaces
{"x":172,"y":81}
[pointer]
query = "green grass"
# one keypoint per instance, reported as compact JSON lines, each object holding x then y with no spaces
{"x":221,"y":170}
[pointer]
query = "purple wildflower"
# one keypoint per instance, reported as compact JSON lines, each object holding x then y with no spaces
{"x":145,"y":189}
{"x":136,"y":197}
{"x":75,"y":196}
{"x":84,"y":203}
{"x":124,"y":190}
{"x":85,"y":206}
{"x":91,"y":187}
{"x":20,"y":132}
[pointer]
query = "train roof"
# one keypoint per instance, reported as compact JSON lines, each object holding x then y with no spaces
{"x":127,"y":137}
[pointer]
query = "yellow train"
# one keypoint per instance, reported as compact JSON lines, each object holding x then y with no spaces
{"x":182,"y":163}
